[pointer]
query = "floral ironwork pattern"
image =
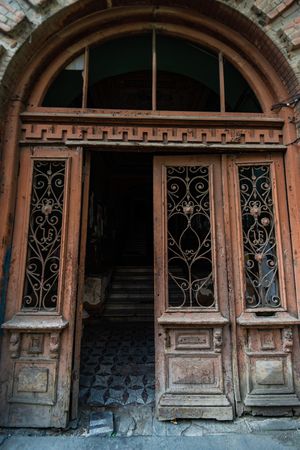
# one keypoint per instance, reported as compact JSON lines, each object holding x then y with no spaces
{"x":44,"y":240}
{"x":189,"y":237}
{"x":260,"y":257}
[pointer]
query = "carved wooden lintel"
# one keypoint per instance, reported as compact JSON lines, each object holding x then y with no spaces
{"x":146,"y":135}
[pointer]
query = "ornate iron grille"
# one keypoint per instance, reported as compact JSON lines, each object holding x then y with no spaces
{"x":44,"y":239}
{"x":190,"y":277}
{"x":260,"y":258}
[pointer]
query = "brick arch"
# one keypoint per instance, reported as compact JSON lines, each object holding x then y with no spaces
{"x":28,"y":25}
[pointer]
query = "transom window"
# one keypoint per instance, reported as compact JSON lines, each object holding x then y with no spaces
{"x":152,"y":72}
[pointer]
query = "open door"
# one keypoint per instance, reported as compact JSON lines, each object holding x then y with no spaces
{"x":37,"y":348}
{"x":193,"y":351}
{"x":80,"y":291}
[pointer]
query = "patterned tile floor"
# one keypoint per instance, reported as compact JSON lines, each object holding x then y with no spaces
{"x":117,"y":364}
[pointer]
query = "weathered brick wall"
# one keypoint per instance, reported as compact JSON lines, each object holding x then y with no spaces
{"x":23,"y":20}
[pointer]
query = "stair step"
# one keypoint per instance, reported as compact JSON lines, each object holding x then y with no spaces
{"x":131,"y":285}
{"x":131,"y":292}
{"x":145,"y":269}
{"x":130,"y":295}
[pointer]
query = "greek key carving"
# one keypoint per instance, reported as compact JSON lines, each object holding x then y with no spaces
{"x":33,"y":132}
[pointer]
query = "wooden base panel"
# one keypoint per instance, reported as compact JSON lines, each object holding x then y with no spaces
{"x":33,"y":416}
{"x":272,"y":400}
{"x":194,"y":407}
{"x":280,"y":411}
{"x":199,"y":412}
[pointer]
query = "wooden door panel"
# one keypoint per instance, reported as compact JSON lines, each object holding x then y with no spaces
{"x":265,"y":306}
{"x":42,"y":289}
{"x":192,"y":332}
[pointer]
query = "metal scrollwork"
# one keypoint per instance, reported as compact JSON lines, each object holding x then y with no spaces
{"x":261,"y":265}
{"x":189,"y":237}
{"x":44,"y":240}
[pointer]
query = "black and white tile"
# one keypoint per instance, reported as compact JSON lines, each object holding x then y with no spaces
{"x":117,"y":365}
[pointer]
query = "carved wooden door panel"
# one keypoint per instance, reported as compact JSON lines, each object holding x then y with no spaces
{"x":37,"y":348}
{"x":263,"y":300}
{"x":193,"y":350}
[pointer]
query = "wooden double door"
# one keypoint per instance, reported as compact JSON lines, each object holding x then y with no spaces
{"x":226,"y":316}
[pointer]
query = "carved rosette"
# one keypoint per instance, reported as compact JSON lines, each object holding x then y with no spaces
{"x":218,"y":340}
{"x":14,"y":345}
{"x":287,"y":340}
{"x":54,"y":346}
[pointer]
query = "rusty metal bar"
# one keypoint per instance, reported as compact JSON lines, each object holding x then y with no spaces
{"x":222,"y":82}
{"x":154,"y":71}
{"x":85,"y":77}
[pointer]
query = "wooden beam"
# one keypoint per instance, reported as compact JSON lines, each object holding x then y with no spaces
{"x":80,"y":290}
{"x":154,"y":71}
{"x":222,"y":82}
{"x":85,"y":77}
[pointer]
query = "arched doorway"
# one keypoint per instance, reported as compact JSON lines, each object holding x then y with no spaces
{"x":225,"y":304}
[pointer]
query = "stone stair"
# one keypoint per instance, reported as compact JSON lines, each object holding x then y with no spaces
{"x":131,"y":294}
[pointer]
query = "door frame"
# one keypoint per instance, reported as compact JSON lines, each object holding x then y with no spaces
{"x":230,"y":281}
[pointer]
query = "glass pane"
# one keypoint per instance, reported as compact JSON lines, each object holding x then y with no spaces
{"x":44,"y":236}
{"x":239,"y":96}
{"x":120,"y":74}
{"x":187,"y":76}
{"x":260,"y":257}
{"x":189,"y":237}
{"x":66,"y":89}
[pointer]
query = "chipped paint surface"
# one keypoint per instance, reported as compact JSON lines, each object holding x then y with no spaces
{"x":4,"y":284}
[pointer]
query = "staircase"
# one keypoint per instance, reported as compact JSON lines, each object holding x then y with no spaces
{"x":131,"y":294}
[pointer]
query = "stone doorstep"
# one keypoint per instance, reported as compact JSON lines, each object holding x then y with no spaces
{"x":140,"y":421}
{"x":273,"y":424}
{"x":136,"y":421}
{"x":101,"y":423}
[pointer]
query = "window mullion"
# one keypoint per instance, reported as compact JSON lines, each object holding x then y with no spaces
{"x":222,"y":83}
{"x":85,"y":77}
{"x":154,"y":71}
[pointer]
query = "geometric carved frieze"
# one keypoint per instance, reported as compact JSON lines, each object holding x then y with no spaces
{"x":146,"y":135}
